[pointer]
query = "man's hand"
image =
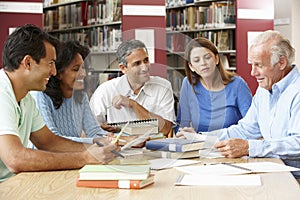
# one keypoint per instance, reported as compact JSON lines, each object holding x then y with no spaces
{"x":119,"y":101}
{"x":233,"y":148}
{"x":102,"y":155}
{"x":109,"y":128}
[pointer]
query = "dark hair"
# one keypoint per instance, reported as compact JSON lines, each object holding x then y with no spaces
{"x":193,"y":77}
{"x":65,"y":55}
{"x":25,"y":40}
{"x":126,"y":48}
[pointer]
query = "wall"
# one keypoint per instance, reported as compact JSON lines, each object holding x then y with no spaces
{"x":10,"y":19}
{"x":287,"y":22}
{"x":252,"y":16}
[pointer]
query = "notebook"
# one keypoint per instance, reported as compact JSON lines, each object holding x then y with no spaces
{"x":114,"y":172}
{"x":138,"y":127}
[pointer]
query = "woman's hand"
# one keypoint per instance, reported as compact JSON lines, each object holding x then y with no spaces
{"x":182,"y":131}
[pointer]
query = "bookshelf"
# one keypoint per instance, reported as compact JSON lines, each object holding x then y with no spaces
{"x":186,"y":20}
{"x":225,"y":22}
{"x":94,"y":23}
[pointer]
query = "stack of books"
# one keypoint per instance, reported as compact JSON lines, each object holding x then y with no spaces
{"x":115,"y":176}
{"x":173,"y":148}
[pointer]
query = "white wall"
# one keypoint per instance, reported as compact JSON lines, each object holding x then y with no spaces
{"x":287,"y":16}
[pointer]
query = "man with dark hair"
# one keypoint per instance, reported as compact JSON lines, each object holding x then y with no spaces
{"x":29,"y":57}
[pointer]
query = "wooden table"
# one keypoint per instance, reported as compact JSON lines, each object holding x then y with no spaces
{"x":61,"y":185}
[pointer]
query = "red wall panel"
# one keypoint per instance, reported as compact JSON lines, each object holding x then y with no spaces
{"x":8,"y":20}
{"x":243,"y":26}
{"x":157,"y":23}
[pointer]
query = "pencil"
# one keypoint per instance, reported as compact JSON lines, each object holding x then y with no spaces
{"x":120,"y":133}
{"x":113,"y":151}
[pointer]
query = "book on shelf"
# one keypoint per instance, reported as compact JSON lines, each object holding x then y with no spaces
{"x":224,"y":60}
{"x":174,"y":144}
{"x":172,"y":155}
{"x":114,"y":172}
{"x":138,"y":127}
{"x":121,"y":184}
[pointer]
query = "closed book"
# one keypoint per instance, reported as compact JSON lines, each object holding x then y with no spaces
{"x":114,"y":172}
{"x":126,"y":184}
{"x":174,"y":144}
{"x":173,"y":155}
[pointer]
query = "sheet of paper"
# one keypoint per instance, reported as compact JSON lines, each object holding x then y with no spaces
{"x":193,"y":136}
{"x":223,"y":169}
{"x":132,"y":152}
{"x":136,"y":141}
{"x":235,"y":180}
{"x":163,"y":163}
{"x":208,"y":150}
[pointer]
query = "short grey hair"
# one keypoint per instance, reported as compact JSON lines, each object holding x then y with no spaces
{"x":279,"y":47}
{"x":126,"y":48}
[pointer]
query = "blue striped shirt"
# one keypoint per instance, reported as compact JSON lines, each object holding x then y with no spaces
{"x":205,"y":110}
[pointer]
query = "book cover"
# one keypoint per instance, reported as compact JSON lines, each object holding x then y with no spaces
{"x":121,"y":184}
{"x":173,"y":155}
{"x":174,"y":144}
{"x":114,"y":172}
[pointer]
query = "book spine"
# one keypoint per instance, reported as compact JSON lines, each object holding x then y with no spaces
{"x":121,"y":184}
{"x":153,"y":145}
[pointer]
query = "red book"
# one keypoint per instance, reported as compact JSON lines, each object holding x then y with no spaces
{"x":127,"y":184}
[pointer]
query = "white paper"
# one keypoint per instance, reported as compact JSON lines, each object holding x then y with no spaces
{"x":193,"y":136}
{"x":209,"y":151}
{"x":223,"y":169}
{"x":236,"y":180}
{"x":163,"y":163}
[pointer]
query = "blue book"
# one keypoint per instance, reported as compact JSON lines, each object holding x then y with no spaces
{"x":174,"y":144}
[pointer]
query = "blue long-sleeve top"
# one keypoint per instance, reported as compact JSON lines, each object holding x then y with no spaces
{"x":70,"y":119}
{"x":205,"y":110}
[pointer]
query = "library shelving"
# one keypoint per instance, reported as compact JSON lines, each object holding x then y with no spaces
{"x":94,"y":23}
{"x":186,"y":20}
{"x":225,"y":22}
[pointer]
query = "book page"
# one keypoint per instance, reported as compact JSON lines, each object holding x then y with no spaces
{"x":236,"y":168}
{"x":163,"y":163}
{"x":211,"y":180}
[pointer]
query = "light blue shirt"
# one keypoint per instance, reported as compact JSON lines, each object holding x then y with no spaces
{"x":274,"y":116}
{"x":70,"y":119}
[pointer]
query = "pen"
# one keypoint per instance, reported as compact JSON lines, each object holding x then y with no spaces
{"x":120,"y":133}
{"x":113,"y":151}
{"x":236,"y":166}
